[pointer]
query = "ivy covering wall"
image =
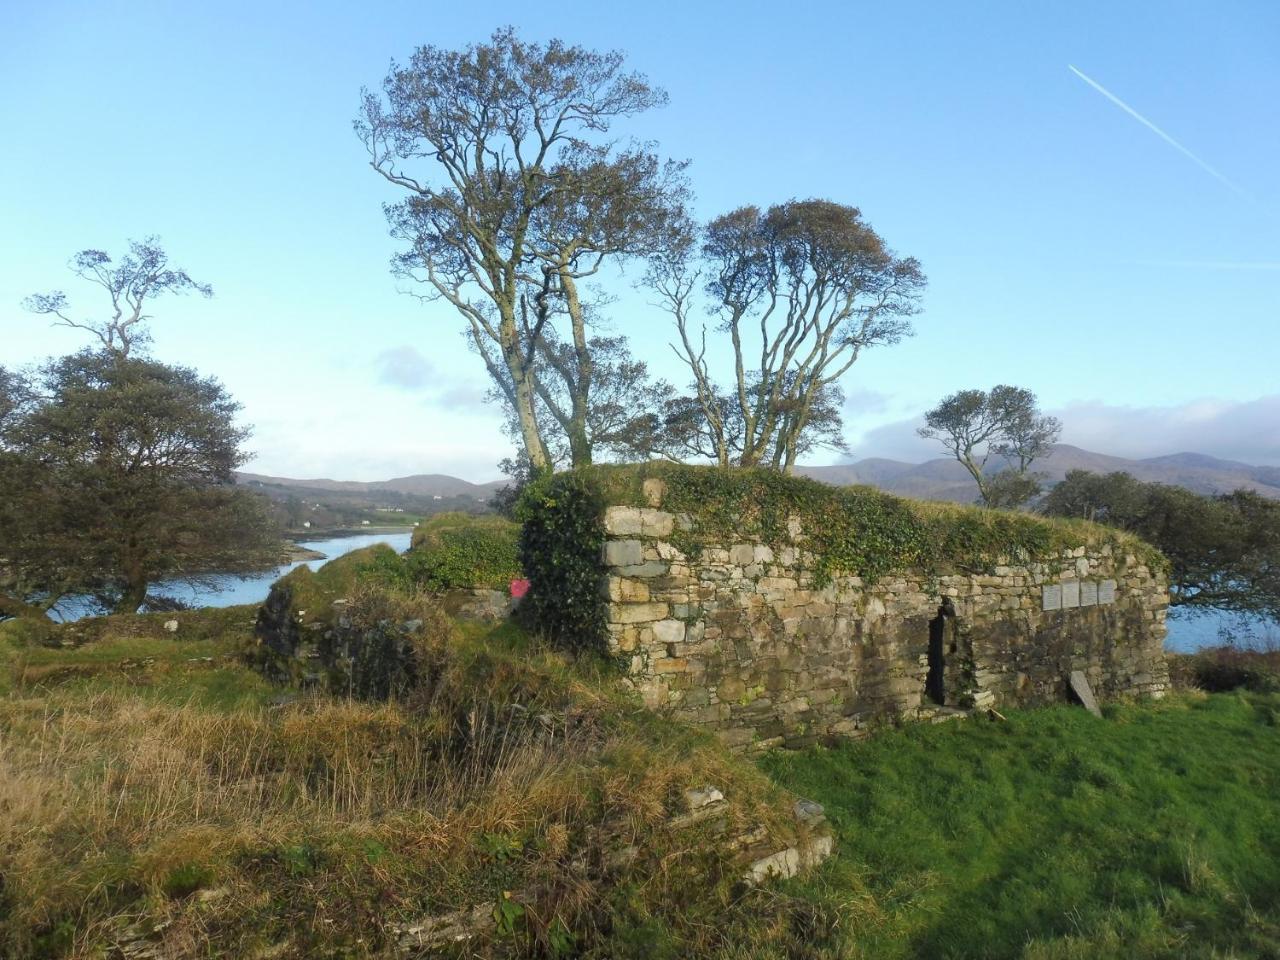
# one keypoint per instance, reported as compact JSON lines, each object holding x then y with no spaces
{"x":850,"y":531}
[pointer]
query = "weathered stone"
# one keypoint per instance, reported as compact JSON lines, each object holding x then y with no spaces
{"x":1080,"y":687}
{"x":1051,"y":596}
{"x":637,"y":612}
{"x":654,"y":490}
{"x":1088,"y":593}
{"x":622,"y":553}
{"x":669,"y":631}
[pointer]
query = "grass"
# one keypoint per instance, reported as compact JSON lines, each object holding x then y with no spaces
{"x":1152,"y":833}
{"x":149,"y":794}
{"x":154,"y":789}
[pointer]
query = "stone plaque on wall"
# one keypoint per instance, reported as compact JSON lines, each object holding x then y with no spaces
{"x":1052,"y":597}
{"x":1088,"y":593}
{"x":1107,"y":591}
{"x":1070,"y":594}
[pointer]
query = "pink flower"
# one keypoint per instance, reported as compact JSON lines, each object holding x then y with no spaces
{"x":519,"y":588}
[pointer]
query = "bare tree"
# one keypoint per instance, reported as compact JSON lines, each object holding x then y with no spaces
{"x":974,"y":425}
{"x":520,"y":196}
{"x":138,"y":278}
{"x":801,"y":289}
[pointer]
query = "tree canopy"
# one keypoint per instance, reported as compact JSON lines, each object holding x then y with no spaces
{"x":801,"y":289}
{"x":116,"y":473}
{"x":1004,"y":422}
{"x":1223,"y":550}
{"x":140,"y":276}
{"x":515,"y":192}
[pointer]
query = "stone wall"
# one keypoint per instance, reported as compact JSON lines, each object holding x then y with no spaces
{"x":738,"y":637}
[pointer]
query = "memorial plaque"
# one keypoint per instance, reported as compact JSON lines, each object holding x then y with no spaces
{"x":1080,"y":687}
{"x":1051,"y":597}
{"x":1107,"y":591}
{"x":1070,"y":594}
{"x":1088,"y":593}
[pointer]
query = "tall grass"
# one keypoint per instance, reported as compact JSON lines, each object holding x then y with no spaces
{"x":322,"y":825}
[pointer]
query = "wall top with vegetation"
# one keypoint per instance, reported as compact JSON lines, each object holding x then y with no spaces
{"x":854,"y":531}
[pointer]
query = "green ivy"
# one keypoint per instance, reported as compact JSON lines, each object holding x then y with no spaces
{"x":560,"y":544}
{"x":851,"y":531}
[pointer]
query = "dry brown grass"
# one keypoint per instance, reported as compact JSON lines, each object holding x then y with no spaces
{"x":320,"y":825}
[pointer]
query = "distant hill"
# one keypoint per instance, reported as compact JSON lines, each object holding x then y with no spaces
{"x":938,"y":479}
{"x":944,"y":479}
{"x":418,"y":485}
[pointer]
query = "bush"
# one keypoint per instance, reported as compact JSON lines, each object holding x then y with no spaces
{"x":461,"y":550}
{"x":1219,"y":669}
{"x":560,"y":546}
{"x":385,"y":644}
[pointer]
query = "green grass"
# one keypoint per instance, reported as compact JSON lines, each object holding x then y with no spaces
{"x":148,"y":780}
{"x":1152,"y":833}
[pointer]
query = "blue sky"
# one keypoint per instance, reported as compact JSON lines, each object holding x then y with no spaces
{"x":1069,"y":248}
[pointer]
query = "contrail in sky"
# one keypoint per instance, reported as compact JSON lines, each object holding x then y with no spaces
{"x":1158,"y":132}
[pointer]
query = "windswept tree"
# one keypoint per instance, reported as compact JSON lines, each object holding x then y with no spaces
{"x":141,"y":276}
{"x":1223,"y":550}
{"x":801,"y":290}
{"x":1005,"y":423}
{"x":514,"y":194}
{"x":116,"y":473}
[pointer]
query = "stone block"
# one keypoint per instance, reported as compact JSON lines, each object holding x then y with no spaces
{"x":647,"y":568}
{"x":654,"y":490}
{"x":742,"y":554}
{"x":669,"y":631}
{"x":622,"y":553}
{"x":1107,"y":592}
{"x":637,"y":612}
{"x":1051,"y":596}
{"x":1088,"y":593}
{"x":622,"y":521}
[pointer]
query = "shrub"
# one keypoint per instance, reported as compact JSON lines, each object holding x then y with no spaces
{"x":461,"y":550}
{"x":560,"y":546}
{"x":384,"y":643}
{"x":1219,"y":669}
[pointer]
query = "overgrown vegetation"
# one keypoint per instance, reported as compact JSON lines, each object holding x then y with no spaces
{"x":850,"y":530}
{"x":560,"y":543}
{"x":157,"y":792}
{"x":1224,"y":550}
{"x":462,"y":550}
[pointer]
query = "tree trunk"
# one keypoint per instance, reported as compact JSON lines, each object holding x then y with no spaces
{"x":580,"y":389}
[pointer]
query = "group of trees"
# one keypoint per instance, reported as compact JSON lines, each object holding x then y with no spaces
{"x":517,"y":199}
{"x":1223,"y":550}
{"x":116,"y":469}
{"x":517,"y":203}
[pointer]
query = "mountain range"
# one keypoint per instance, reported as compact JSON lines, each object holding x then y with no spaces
{"x":945,"y":479}
{"x":938,"y":479}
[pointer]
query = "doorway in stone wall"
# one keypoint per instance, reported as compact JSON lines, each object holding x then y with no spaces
{"x":935,"y":682}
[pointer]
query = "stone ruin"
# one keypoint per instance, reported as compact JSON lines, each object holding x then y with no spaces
{"x":740,"y":640}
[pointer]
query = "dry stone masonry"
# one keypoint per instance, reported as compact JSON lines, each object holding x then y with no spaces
{"x":739,"y":639}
